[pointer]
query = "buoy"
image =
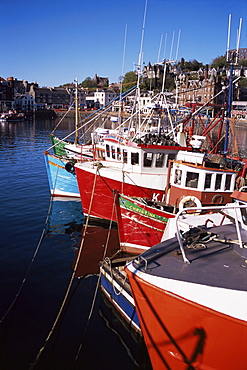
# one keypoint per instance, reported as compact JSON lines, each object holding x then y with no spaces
{"x":218,"y":198}
{"x":190,"y":199}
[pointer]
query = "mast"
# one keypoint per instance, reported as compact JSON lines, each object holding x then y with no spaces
{"x":231,"y":58}
{"x":76,"y":113}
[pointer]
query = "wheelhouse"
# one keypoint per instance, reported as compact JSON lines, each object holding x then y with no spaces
{"x":193,"y":175}
{"x":136,"y":157}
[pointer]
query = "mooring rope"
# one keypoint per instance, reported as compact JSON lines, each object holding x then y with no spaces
{"x":35,"y":253}
{"x":69,"y":285}
{"x":99,"y":276}
{"x":62,"y":119}
{"x":31,"y":263}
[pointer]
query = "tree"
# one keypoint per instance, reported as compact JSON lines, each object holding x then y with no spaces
{"x":129,"y":81}
{"x":243,"y":82}
{"x":192,"y":65}
{"x":87,"y":83}
{"x":219,"y":62}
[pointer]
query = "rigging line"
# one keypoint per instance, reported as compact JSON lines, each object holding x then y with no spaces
{"x":123,"y":343}
{"x":211,"y":151}
{"x":99,"y":277}
{"x":93,"y":123}
{"x":138,"y":186}
{"x":67,"y":292}
{"x":62,"y":118}
{"x":99,"y":111}
{"x":73,"y":132}
{"x":61,"y":322}
{"x":30,"y":265}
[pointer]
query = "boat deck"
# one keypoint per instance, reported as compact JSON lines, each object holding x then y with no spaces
{"x":219,"y":262}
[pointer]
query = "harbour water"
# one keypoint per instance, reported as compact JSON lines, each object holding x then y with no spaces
{"x":36,"y":259}
{"x":36,"y":272}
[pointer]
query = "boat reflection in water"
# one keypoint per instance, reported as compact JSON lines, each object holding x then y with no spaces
{"x":94,"y":241}
{"x":65,"y":216}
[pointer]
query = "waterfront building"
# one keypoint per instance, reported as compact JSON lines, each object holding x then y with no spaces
{"x":6,"y":95}
{"x":24,"y":103}
{"x":103,"y":97}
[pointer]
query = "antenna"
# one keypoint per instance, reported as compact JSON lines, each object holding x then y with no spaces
{"x":161,"y":39}
{"x":231,"y":58}
{"x":238,"y":39}
{"x":172,"y":45}
{"x":228,"y":39}
{"x":142,"y":37}
{"x":165,"y":47}
{"x":176,"y":57}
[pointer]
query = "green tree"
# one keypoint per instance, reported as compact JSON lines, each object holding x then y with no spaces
{"x":243,"y":82}
{"x":219,"y":62}
{"x":192,"y":65}
{"x":87,"y":83}
{"x":129,"y":81}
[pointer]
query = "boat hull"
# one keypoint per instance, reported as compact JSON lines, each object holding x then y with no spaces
{"x":61,"y":182}
{"x":97,"y":191}
{"x":140,"y":225}
{"x":117,"y":290}
{"x":185,"y":332}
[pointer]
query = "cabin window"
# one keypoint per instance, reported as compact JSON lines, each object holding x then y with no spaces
{"x":148,"y":159}
{"x":134,"y":158}
{"x":228,"y":182}
{"x":178,"y":176}
{"x":125,"y":156}
{"x":107,"y":150}
{"x":171,"y":156}
{"x":192,"y":180}
{"x":208,"y":178}
{"x":218,"y":181}
{"x":160,"y":157}
{"x":118,"y":154}
{"x":113,"y":152}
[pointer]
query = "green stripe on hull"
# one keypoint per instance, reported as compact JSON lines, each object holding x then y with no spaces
{"x":58,"y":148}
{"x":133,"y":207}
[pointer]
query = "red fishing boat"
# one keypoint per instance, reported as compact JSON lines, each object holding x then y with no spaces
{"x":141,"y":223}
{"x":135,"y":168}
{"x":195,"y":179}
{"x":190,"y":293}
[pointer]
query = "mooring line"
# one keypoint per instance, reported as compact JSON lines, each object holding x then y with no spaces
{"x":30,"y":265}
{"x":98,"y":281}
{"x":68,"y":289}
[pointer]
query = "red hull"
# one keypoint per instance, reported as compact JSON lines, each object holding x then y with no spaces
{"x":185,"y":335}
{"x":97,"y":194}
{"x":140,"y":226}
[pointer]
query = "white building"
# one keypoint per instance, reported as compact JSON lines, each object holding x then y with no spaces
{"x":103,"y":97}
{"x":24,"y":103}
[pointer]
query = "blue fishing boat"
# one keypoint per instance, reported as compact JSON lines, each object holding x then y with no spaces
{"x":60,"y":164}
{"x":115,"y":286}
{"x":61,"y":176}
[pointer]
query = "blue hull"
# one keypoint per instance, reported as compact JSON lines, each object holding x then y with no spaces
{"x":120,"y":296}
{"x":61,"y":182}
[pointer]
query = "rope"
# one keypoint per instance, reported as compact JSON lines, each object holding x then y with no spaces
{"x":112,"y":277}
{"x":125,"y":173}
{"x":31,"y":263}
{"x":69,"y":285}
{"x":99,"y":112}
{"x":62,"y":119}
{"x":211,"y":151}
{"x":99,"y":277}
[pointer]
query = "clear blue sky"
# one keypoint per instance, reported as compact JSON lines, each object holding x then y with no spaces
{"x":53,"y":42}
